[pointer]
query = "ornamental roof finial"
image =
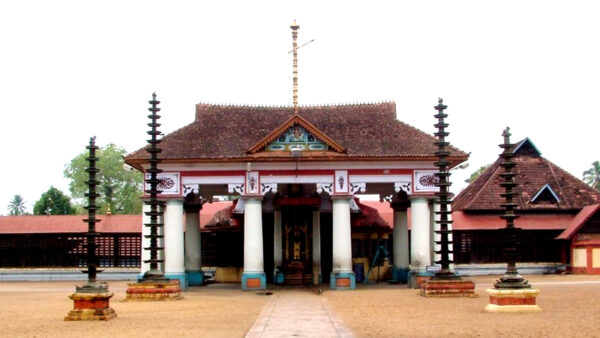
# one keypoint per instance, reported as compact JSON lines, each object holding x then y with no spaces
{"x":506,"y":133}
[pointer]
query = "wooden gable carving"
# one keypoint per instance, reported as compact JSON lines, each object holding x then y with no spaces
{"x":297,"y":134}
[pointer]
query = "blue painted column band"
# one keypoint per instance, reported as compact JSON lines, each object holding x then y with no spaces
{"x":183,"y":281}
{"x":400,"y":275}
{"x":195,"y":278}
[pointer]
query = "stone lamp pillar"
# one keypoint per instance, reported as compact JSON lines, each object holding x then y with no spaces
{"x":445,"y":282}
{"x":154,"y":285}
{"x":91,"y":301}
{"x":511,"y":293}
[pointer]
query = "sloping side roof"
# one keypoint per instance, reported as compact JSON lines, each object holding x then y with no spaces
{"x":465,"y":221}
{"x":69,"y":224}
{"x":370,"y":218}
{"x":533,"y":173}
{"x":228,"y":132}
{"x":579,"y":221}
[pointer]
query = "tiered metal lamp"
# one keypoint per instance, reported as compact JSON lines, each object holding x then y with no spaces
{"x":91,"y":300}
{"x":445,"y":282}
{"x":154,"y":285}
{"x":511,"y":293}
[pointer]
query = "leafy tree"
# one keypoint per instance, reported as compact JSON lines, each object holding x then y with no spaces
{"x":120,"y":188}
{"x":16,"y":207}
{"x":477,"y":173}
{"x":592,"y":175}
{"x":53,"y":202}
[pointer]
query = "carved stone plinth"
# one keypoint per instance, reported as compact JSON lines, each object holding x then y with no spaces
{"x":448,"y":288}
{"x":513,"y":300}
{"x":168,"y":290}
{"x":91,"y":306}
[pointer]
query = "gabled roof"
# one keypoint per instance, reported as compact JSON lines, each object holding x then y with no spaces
{"x":582,"y":217}
{"x":526,"y":147}
{"x":533,"y":172}
{"x":226,"y":133}
{"x":299,"y":120}
{"x":69,"y":224}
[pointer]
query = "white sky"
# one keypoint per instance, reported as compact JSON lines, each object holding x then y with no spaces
{"x":73,"y":69}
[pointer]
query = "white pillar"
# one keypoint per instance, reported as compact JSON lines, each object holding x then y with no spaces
{"x":145,"y":255}
{"x":193,"y":247}
{"x":277,"y":251}
{"x":316,"y":247}
{"x":173,"y":242}
{"x":253,"y":276}
{"x":342,"y":275}
{"x":420,"y":235}
{"x":401,"y":252}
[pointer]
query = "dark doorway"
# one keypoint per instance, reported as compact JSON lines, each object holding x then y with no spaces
{"x":268,"y":255}
{"x":296,"y":231}
{"x":326,"y":246}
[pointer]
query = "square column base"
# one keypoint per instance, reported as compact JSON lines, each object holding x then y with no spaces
{"x":448,"y":288}
{"x":91,"y":306}
{"x":418,"y":277}
{"x":317,"y":279}
{"x":342,"y":281}
{"x":195,"y":278}
{"x":513,"y":300}
{"x":169,"y":290}
{"x":252,"y":281}
{"x":400,"y":275}
{"x":279,"y":278}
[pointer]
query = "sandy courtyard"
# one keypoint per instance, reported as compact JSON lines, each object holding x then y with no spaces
{"x":570,"y":308}
{"x":36,"y":309}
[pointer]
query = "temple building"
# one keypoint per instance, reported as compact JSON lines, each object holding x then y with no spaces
{"x":583,"y":236}
{"x":550,"y":201}
{"x":295,"y":172}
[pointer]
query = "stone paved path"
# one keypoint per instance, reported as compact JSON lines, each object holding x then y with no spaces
{"x":297,"y":313}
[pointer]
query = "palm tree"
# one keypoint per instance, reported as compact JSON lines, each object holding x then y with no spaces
{"x":16,"y":206}
{"x":592,"y":175}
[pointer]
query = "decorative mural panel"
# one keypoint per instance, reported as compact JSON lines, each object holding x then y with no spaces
{"x":252,"y":182}
{"x":169,"y":183}
{"x":340,"y":182}
{"x":297,"y":138}
{"x":425,"y":181}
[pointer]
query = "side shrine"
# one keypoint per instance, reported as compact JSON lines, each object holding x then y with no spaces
{"x":295,"y":171}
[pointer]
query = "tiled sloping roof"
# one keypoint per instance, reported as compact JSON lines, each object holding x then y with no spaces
{"x":210,"y":209}
{"x":370,"y":218}
{"x":467,"y":221}
{"x":533,"y":173}
{"x":228,"y":132}
{"x":69,"y":224}
{"x":578,"y":221}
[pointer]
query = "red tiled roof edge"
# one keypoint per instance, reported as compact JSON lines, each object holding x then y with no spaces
{"x":69,"y":224}
{"x":579,"y":221}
